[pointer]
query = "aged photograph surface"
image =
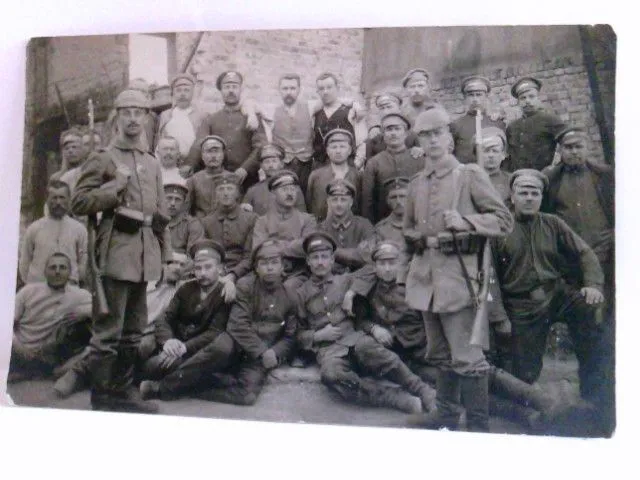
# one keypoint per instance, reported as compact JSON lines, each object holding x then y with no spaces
{"x":390,"y":227}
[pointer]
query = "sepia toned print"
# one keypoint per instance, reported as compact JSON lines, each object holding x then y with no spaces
{"x":407,"y":227}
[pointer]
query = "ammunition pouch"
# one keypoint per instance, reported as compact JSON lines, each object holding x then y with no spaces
{"x":467,"y":243}
{"x":128,"y":220}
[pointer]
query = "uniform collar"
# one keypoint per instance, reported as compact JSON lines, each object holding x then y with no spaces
{"x":231,"y":215}
{"x":575,"y":168}
{"x":321,"y":282}
{"x":181,"y":217}
{"x":443,"y":167}
{"x":342,"y":224}
{"x":123,"y":143}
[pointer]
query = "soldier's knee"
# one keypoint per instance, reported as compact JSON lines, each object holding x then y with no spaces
{"x":223,"y":345}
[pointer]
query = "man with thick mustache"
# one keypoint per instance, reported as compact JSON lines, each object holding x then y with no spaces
{"x":532,"y":138}
{"x":293,"y":128}
{"x":185,"y":121}
{"x":56,"y":232}
{"x":286,"y":224}
{"x":231,"y":123}
{"x":418,"y":90}
{"x":124,"y":182}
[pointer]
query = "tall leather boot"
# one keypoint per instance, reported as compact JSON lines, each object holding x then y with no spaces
{"x":506,"y":385}
{"x":475,"y":399}
{"x":101,"y":369}
{"x":125,"y":397}
{"x":447,"y":411}
{"x":403,"y":376}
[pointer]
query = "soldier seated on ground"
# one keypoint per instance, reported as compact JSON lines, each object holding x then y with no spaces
{"x":51,"y":322}
{"x":342,"y":352}
{"x":383,"y":313}
{"x":191,"y":335}
{"x":263,"y":323}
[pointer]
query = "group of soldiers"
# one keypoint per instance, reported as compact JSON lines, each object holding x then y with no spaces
{"x":251,"y":239}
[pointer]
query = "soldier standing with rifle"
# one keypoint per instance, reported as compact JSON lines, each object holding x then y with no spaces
{"x":450,"y":207}
{"x":123,"y":182}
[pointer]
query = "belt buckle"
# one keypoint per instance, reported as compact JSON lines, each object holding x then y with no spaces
{"x":432,"y":242}
{"x":148,"y":220}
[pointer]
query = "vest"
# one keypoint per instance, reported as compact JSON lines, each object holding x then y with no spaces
{"x":294,"y":134}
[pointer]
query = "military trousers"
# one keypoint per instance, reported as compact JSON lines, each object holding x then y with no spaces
{"x":530,"y":331}
{"x":241,"y":386}
{"x":196,"y":371}
{"x":448,"y":342}
{"x":114,"y":342}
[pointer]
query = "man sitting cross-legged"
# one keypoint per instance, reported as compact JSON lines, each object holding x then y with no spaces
{"x":191,"y":335}
{"x":263,"y":324}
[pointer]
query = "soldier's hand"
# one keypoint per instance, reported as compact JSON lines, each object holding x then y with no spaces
{"x":592,"y":296}
{"x":228,"y":288}
{"x":454,"y":221}
{"x":241,"y":173}
{"x":382,"y":335}
{"x":247,"y":207}
{"x":416,"y":152}
{"x":172,"y":273}
{"x":174,"y":348}
{"x":328,"y":334}
{"x":415,"y":241}
{"x":374,"y":132}
{"x":167,"y":361}
{"x":347,"y":303}
{"x":269,"y":359}
{"x":185,"y":171}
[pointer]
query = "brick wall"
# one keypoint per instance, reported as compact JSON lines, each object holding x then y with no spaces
{"x":263,"y":55}
{"x":565,"y":91}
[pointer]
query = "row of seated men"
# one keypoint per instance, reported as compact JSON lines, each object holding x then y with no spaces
{"x":295,"y":262}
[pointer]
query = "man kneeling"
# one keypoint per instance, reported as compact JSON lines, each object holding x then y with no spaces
{"x":342,"y":352}
{"x":191,"y":335}
{"x":263,"y":323}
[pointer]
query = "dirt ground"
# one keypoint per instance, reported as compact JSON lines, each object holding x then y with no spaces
{"x":297,"y":396}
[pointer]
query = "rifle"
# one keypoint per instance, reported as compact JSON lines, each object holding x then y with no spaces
{"x":480,"y":330}
{"x":100,"y":305}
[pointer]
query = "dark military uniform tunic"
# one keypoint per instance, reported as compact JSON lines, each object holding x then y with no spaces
{"x":263,"y":317}
{"x":531,"y":140}
{"x":463,"y":130}
{"x":199,"y":323}
{"x":185,"y":231}
{"x":349,"y":235}
{"x":530,"y":263}
{"x":234,"y":231}
{"x":378,"y":170}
